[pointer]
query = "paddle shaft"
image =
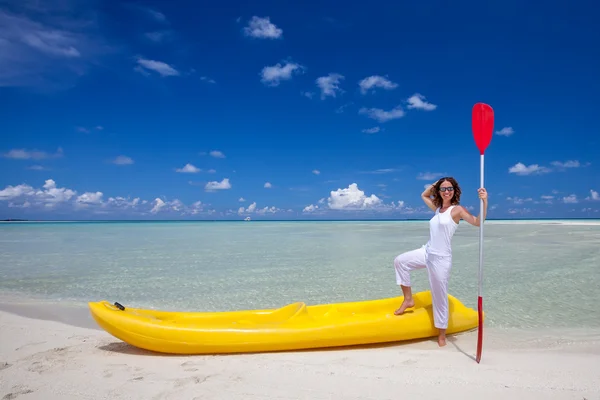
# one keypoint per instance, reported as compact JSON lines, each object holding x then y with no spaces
{"x":480,"y":283}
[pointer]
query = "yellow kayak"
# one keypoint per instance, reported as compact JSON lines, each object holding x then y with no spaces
{"x":292,"y":327}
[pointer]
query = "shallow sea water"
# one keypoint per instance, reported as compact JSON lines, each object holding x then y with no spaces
{"x":537,"y":274}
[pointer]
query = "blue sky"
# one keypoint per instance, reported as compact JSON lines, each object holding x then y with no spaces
{"x":281,"y":110}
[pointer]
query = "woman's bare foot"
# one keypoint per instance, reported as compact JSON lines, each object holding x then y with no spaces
{"x":442,"y":341}
{"x":405,"y":304}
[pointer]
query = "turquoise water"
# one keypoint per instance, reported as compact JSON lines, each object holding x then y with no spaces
{"x":537,"y":274}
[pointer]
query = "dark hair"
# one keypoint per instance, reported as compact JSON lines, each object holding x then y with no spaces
{"x":437,"y":200}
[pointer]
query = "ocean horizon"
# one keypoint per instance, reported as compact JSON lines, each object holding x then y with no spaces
{"x":290,"y":220}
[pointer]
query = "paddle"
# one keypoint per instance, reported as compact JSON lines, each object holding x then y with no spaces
{"x":482,"y":124}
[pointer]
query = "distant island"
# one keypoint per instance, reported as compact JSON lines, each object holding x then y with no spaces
{"x":11,"y":220}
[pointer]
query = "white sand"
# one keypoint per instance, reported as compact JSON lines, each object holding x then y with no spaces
{"x":43,"y":359}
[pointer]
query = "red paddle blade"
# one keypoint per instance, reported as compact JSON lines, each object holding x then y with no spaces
{"x":482,"y":124}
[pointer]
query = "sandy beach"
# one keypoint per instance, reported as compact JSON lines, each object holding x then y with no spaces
{"x":73,"y":359}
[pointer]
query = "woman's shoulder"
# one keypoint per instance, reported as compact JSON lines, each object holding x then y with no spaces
{"x":457,"y":209}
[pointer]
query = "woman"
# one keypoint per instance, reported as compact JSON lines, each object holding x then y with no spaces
{"x":436,"y":256}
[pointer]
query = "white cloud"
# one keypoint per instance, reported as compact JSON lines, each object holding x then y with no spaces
{"x":12,"y":192}
{"x":89,"y":198}
{"x":417,"y":102}
{"x":268,"y":185}
{"x":266,"y":210}
{"x":570,"y":199}
{"x":430,"y":176}
{"x":214,"y":185}
{"x":506,"y":131}
{"x":188,"y":168}
{"x":252,"y":208}
{"x":262,"y":28}
{"x":381,"y":115}
{"x":316,"y":172}
{"x":370,"y":82}
{"x":122,"y":160}
{"x":310,"y":208}
{"x":351,"y":198}
{"x":593,"y":195}
{"x":123,"y":203}
{"x":371,"y":130}
{"x":241,"y":199}
{"x":50,"y":196}
{"x":159,"y":67}
{"x":217,"y":154}
{"x":522,"y":169}
{"x":248,"y":210}
{"x":354,"y":199}
{"x":329,"y":84}
{"x":536,"y":169}
{"x":158,"y":204}
{"x":273,"y":75}
{"x":22,"y":154}
{"x":567,"y":164}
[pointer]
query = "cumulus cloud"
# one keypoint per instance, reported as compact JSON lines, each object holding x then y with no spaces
{"x":376,"y":81}
{"x":329,"y":84}
{"x":262,"y":28}
{"x":381,"y":115}
{"x":89,"y":198}
{"x":50,"y":197}
{"x":253,"y":209}
{"x":351,"y":198}
{"x":571,"y":199}
{"x":13,"y":192}
{"x":522,"y":169}
{"x":417,"y":101}
{"x":593,"y":195}
{"x":274,"y":74}
{"x":215,"y":185}
{"x":354,"y":199}
{"x":188,"y":169}
{"x":268,"y":185}
{"x":536,"y":169}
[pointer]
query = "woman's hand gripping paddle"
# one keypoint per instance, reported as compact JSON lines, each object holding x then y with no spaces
{"x":482,"y":124}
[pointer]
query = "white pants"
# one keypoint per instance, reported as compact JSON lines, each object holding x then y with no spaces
{"x":438,"y":270}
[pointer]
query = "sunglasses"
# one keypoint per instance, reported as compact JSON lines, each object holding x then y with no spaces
{"x":449,"y":188}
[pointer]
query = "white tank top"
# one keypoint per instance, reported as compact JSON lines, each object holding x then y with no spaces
{"x":441,"y":230}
